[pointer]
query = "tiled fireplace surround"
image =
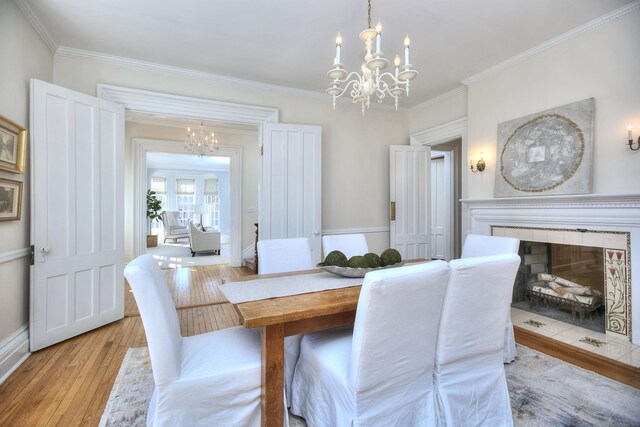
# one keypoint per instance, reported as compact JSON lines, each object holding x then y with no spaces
{"x":611,"y":222}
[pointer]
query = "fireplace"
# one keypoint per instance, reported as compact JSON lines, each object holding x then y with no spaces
{"x":574,"y":283}
{"x":582,"y":241}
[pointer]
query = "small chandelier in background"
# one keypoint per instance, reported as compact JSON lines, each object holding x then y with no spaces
{"x":200,"y":143}
{"x":371,"y":83}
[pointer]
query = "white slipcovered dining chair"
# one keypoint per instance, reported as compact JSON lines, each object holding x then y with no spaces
{"x":476,"y":245}
{"x":211,"y":379}
{"x":348,"y":244}
{"x":281,"y":256}
{"x":380,"y":373}
{"x":469,"y":378}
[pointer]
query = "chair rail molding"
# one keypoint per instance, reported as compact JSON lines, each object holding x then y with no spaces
{"x":355,"y":230}
{"x":13,"y":351}
{"x":140,"y":149}
{"x":14,"y":254}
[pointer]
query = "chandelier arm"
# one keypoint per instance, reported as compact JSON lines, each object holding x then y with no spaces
{"x":351,"y":74}
{"x":356,"y":85}
{"x":392,"y":77}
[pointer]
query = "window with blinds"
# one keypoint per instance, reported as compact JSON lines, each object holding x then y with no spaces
{"x":211,"y":215}
{"x":159,"y":185}
{"x":185,"y":199}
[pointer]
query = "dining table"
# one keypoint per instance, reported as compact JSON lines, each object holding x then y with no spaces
{"x":286,"y":315}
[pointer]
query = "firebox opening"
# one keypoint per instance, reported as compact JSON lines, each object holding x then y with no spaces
{"x":563,"y":282}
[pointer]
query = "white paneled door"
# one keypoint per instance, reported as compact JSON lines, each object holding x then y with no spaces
{"x":441,"y":206}
{"x":77,"y":213}
{"x":291,"y":184}
{"x":410,"y":223}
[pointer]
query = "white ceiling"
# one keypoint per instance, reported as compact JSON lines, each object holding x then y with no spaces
{"x":290,"y":43}
{"x":186,"y":162}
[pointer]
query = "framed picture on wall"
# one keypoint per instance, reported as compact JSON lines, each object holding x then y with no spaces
{"x":13,"y":140}
{"x":10,"y":199}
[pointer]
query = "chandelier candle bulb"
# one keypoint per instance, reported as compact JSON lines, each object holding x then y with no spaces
{"x":338,"y":44}
{"x":406,"y":50}
{"x":378,"y":36}
{"x":630,"y":134}
{"x":396,"y":62}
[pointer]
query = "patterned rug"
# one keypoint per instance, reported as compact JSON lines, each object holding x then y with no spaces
{"x":544,"y":392}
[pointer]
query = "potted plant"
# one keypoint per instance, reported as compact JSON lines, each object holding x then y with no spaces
{"x":154,"y":205}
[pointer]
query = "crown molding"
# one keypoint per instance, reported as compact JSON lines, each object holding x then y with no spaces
{"x":554,"y":42}
{"x":37,"y":25}
{"x":69,"y":52}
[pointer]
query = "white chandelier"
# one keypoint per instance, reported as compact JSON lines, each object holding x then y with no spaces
{"x":371,"y":82}
{"x":200,"y":143}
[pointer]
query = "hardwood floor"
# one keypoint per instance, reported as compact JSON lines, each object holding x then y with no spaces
{"x":68,"y":384}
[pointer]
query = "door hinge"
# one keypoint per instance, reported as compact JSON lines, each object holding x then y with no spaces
{"x":261,"y":150}
{"x":32,"y":256}
{"x":392,"y":213}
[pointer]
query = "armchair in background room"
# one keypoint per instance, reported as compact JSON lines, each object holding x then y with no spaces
{"x":172,"y":227}
{"x":203,"y":241}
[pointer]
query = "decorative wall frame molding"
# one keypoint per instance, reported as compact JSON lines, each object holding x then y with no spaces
{"x":367,"y":230}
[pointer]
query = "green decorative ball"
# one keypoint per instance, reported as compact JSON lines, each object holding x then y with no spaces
{"x":336,"y":258}
{"x":358,"y":261}
{"x":390,"y":256}
{"x":373,"y":260}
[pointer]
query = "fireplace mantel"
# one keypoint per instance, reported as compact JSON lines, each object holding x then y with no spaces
{"x":588,"y":212}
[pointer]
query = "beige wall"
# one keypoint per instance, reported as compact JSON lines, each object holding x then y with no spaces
{"x":444,"y":109}
{"x":250,"y":173}
{"x":24,"y":55}
{"x":355,"y":165}
{"x":604,"y":64}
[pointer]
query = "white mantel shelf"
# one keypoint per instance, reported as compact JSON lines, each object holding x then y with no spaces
{"x":579,"y":200}
{"x":608,"y":211}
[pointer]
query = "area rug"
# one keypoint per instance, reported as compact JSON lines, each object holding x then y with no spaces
{"x":177,"y":255}
{"x":544,"y":392}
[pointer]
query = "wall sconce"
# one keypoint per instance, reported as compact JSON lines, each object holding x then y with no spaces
{"x":631,"y":139}
{"x":479,"y":166}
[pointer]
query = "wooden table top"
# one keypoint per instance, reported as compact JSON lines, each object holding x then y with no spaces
{"x":296,"y":307}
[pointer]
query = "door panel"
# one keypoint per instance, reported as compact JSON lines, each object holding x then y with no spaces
{"x":291,"y":186}
{"x":409,"y":181}
{"x":77,"y":213}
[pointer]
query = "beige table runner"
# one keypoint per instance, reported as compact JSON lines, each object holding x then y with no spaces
{"x":252,"y":290}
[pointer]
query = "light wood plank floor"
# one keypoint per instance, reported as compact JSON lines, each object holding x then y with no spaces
{"x":68,"y":384}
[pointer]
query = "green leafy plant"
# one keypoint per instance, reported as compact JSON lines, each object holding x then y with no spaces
{"x":154,"y":205}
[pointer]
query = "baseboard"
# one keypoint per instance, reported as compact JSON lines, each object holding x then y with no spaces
{"x":13,"y":351}
{"x":248,"y":252}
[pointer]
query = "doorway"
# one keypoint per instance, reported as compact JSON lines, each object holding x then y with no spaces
{"x":449,"y":141}
{"x":198,"y":188}
{"x":445,"y":200}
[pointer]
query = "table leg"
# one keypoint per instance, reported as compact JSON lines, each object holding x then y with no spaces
{"x":272,"y":375}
